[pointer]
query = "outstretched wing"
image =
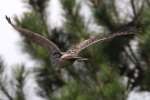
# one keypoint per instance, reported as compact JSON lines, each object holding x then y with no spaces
{"x":36,"y":38}
{"x":95,"y":39}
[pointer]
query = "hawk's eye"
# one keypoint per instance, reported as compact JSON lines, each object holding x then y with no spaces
{"x":72,"y":51}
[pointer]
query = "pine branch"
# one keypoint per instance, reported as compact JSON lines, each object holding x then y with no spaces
{"x":133,"y":7}
{"x":5,"y":92}
{"x":133,"y":54}
{"x":130,"y":57}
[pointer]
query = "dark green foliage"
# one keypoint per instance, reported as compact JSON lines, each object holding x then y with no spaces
{"x":38,"y":6}
{"x":20,"y":75}
{"x":106,"y":16}
{"x":69,"y":5}
{"x":99,"y":78}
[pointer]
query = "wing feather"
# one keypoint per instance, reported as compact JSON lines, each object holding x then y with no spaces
{"x":35,"y":37}
{"x":95,"y":39}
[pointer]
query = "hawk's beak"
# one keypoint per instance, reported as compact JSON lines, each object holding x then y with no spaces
{"x":65,"y":56}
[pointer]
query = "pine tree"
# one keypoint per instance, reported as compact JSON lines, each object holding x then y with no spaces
{"x":99,"y":77}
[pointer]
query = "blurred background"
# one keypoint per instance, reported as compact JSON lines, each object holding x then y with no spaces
{"x":118,"y":69}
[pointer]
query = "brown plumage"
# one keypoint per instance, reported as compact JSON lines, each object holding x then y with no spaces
{"x":70,"y":54}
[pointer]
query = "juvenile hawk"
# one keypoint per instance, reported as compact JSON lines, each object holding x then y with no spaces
{"x":56,"y":54}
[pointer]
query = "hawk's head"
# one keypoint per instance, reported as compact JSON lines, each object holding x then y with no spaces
{"x":67,"y":56}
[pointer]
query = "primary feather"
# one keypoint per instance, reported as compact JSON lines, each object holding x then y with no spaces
{"x":95,"y":39}
{"x":35,"y":37}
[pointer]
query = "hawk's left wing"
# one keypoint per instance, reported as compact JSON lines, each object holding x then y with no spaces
{"x":36,"y":38}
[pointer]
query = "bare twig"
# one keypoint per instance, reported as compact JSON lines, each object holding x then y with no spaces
{"x":137,"y":13}
{"x":148,"y":2}
{"x":133,"y":7}
{"x":130,"y":57}
{"x":5,"y":92}
{"x":133,"y":54}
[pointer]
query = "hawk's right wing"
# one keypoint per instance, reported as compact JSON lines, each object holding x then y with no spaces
{"x":95,"y":39}
{"x":36,"y":38}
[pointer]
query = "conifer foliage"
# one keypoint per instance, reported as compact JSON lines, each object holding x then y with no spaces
{"x":101,"y":77}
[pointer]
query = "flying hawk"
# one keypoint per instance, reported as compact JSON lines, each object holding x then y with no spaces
{"x":56,"y":54}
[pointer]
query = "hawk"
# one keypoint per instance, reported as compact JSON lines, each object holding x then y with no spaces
{"x":56,"y":54}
